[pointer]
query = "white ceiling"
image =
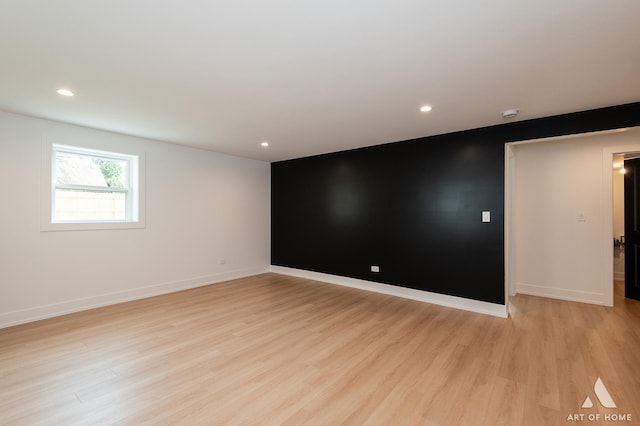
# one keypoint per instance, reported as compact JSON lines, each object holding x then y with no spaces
{"x":312,"y":77}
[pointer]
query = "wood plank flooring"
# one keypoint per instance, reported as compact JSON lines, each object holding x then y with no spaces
{"x":273,"y":349}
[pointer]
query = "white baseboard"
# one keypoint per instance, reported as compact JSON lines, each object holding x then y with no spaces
{"x":41,"y":312}
{"x":407,"y":293}
{"x":560,"y":293}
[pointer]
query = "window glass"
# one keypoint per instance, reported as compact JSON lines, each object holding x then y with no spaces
{"x":92,"y":186}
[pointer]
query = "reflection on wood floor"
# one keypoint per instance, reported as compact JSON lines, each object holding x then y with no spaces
{"x":273,"y":349}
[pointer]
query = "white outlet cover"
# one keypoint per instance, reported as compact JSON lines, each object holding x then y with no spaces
{"x":486,"y":216}
{"x":375,"y":268}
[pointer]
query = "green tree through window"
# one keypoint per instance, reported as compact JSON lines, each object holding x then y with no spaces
{"x":113,"y":172}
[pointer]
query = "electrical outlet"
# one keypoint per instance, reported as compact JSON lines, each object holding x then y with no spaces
{"x":222,"y":262}
{"x":375,"y":268}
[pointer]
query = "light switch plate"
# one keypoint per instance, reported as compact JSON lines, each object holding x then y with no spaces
{"x":486,"y":216}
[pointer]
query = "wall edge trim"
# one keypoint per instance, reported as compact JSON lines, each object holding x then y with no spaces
{"x":561,"y":293}
{"x":10,"y":319}
{"x":470,"y":305}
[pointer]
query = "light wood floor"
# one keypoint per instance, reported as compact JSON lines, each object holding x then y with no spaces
{"x":273,"y":349}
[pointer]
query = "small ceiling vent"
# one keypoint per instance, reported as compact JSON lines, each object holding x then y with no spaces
{"x":510,"y":113}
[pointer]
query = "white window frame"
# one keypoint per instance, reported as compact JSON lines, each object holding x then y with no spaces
{"x":135,"y":191}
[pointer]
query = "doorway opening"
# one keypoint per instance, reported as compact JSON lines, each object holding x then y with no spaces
{"x":618,"y":216}
{"x":559,"y":215}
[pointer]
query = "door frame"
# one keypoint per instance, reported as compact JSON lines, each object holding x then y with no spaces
{"x":510,"y":238}
{"x":607,"y":216}
{"x":509,"y":235}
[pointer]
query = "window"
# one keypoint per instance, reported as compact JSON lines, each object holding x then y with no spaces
{"x":92,"y":189}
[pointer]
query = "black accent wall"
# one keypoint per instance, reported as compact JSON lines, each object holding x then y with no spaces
{"x":413,"y":207}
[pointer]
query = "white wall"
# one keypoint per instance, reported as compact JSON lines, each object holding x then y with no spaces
{"x":556,"y":254}
{"x":200,"y":207}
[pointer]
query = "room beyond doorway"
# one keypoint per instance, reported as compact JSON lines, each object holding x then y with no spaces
{"x":559,"y":202}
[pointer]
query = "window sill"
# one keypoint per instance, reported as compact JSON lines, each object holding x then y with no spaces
{"x":90,"y":226}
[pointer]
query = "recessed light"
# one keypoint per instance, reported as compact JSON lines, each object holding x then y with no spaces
{"x":265,"y":144}
{"x":64,"y":92}
{"x":425,"y":108}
